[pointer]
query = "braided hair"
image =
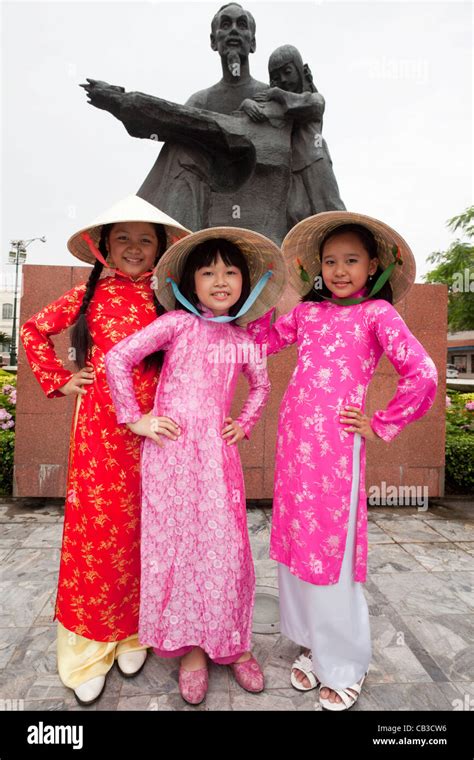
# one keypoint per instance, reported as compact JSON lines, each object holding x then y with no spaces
{"x":81,"y":339}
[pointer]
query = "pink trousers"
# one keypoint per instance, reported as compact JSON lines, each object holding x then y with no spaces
{"x":184,"y":650}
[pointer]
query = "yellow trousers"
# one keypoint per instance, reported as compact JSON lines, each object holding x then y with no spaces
{"x":81,"y":659}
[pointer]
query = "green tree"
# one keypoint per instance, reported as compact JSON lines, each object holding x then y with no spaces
{"x":455,"y":268}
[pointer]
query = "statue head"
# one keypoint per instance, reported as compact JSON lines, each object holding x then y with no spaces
{"x":233,"y":31}
{"x":287,"y":70}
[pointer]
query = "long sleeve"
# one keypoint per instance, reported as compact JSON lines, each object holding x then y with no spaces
{"x":123,"y":357}
{"x":416,"y":389}
{"x":259,"y":390}
{"x":304,"y":106}
{"x":282,"y":333}
{"x":36,"y":334}
{"x":224,"y":156}
{"x":146,"y":115}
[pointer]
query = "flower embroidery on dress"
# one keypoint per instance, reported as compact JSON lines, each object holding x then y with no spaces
{"x":338,"y":352}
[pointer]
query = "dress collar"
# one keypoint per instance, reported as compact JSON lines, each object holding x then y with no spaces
{"x":122,"y":276}
{"x":358,"y":294}
{"x":204,"y":310}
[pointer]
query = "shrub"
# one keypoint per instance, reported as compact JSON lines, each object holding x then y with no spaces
{"x":7,"y":451}
{"x":7,"y":434}
{"x":460,"y":442}
{"x":460,"y":462}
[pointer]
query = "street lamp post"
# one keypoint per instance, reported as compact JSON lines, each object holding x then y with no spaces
{"x":17,"y":257}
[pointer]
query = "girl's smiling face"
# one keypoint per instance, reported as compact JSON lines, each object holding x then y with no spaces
{"x":218,"y":286}
{"x":132,"y":247}
{"x":346,"y":264}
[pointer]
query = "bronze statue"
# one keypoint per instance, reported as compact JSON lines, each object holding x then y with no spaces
{"x":313,"y":186}
{"x":235,"y":154}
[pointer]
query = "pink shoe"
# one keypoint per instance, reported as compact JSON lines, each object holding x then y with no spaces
{"x":193,"y":684}
{"x":248,"y":675}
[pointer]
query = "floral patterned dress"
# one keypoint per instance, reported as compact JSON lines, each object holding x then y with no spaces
{"x":99,"y":576}
{"x":197,"y":572}
{"x":339,"y":348}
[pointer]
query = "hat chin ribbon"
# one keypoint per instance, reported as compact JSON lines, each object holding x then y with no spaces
{"x":254,"y":294}
{"x":382,"y":279}
{"x":93,"y":248}
{"x":95,"y":251}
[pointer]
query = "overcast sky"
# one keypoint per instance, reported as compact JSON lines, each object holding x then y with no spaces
{"x":397,"y":78}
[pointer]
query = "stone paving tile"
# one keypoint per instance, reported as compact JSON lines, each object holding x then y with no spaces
{"x":256,"y":520}
{"x":22,"y":600}
{"x":449,"y":640}
{"x":440,"y":557}
{"x":70,"y":704}
{"x":410,"y":529}
{"x":49,"y":535}
{"x":454,"y":530}
{"x":396,"y":513}
{"x":12,"y":535}
{"x":402,"y":696}
{"x":391,"y":558}
{"x":215,"y":700}
{"x":380,"y":606}
{"x":36,"y":651}
{"x":259,"y":545}
{"x":30,"y":564}
{"x":15,"y":683}
{"x":10,"y":638}
{"x":460,"y":695}
{"x":45,"y":617}
{"x":22,"y":513}
{"x":377,"y":535}
{"x":392,"y":659}
{"x":461,"y":584}
{"x":466,"y":546}
{"x":266,"y":569}
{"x":425,"y":593}
{"x":419,"y":591}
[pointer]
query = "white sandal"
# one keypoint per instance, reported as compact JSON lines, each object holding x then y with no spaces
{"x":305,"y":664}
{"x":348,"y":699}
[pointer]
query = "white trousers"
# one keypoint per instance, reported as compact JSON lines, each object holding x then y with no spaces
{"x":332,"y":621}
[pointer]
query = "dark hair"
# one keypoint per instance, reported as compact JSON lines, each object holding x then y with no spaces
{"x":367,"y":239}
{"x":205,"y":254}
{"x":81,"y":339}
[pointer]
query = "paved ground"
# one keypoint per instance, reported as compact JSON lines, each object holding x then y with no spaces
{"x":420,"y":594}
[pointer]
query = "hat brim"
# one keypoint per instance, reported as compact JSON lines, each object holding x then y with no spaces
{"x":130,"y":209}
{"x":261,"y":254}
{"x":302,"y":244}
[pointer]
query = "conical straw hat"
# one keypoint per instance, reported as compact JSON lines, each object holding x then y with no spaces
{"x":130,"y":209}
{"x":301,"y":248}
{"x":261,"y":254}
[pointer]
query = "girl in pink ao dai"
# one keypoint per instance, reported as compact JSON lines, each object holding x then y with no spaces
{"x":319,"y":533}
{"x":197,"y":575}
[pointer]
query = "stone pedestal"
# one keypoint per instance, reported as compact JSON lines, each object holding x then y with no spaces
{"x":416,"y":457}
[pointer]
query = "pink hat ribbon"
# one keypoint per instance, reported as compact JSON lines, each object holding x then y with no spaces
{"x":93,"y":248}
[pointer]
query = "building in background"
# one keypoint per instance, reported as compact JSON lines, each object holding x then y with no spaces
{"x":461,"y":352}
{"x":7,"y":297}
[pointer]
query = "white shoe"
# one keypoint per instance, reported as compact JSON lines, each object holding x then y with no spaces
{"x":305,"y":664}
{"x":89,"y":691}
{"x":130,"y":663}
{"x":348,"y":699}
